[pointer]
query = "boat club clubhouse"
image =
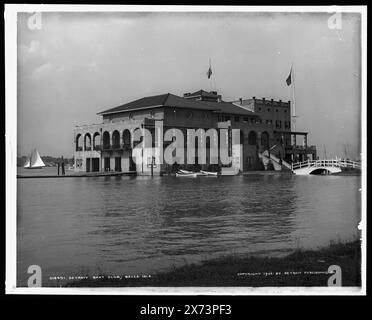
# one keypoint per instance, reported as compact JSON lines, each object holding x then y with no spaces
{"x":265,"y":140}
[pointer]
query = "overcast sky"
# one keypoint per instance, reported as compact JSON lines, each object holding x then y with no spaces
{"x":80,"y":64}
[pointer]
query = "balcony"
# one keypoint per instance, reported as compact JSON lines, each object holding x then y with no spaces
{"x":116,"y":147}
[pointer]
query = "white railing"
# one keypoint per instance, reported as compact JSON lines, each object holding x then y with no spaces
{"x":327,"y":163}
{"x":350,"y":164}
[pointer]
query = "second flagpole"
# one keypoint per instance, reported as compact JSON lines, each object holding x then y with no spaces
{"x":210,"y":78}
{"x":294,"y":116}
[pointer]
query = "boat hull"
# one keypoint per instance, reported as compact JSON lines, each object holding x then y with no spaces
{"x":186,"y":175}
{"x":185,"y":171}
{"x":208,"y":173}
{"x":201,"y":174}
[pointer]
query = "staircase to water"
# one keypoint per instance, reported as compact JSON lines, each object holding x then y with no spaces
{"x":278,"y":164}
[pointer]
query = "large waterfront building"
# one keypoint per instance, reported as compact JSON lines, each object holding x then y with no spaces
{"x":266,"y":139}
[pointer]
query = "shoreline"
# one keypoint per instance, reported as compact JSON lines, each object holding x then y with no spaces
{"x":133,"y":173}
{"x":300,"y":268}
{"x":78,"y":175}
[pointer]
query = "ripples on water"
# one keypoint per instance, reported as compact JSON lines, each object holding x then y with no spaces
{"x":124,"y":225}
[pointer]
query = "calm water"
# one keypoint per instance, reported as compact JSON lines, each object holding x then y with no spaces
{"x":126,"y":225}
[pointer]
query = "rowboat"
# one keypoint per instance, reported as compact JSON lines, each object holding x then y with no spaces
{"x":184,"y":171}
{"x":208,"y":173}
{"x":186,"y":175}
{"x":201,"y":174}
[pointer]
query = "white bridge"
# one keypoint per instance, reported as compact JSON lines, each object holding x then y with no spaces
{"x":323,"y":166}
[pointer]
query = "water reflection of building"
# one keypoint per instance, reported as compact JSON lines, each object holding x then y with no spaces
{"x":265,"y":131}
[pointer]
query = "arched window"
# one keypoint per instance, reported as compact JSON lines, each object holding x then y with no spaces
{"x":77,"y":142}
{"x":96,"y":141}
{"x":252,"y":138}
{"x":126,"y":138}
{"x":87,"y":142}
{"x":116,"y":139}
{"x":106,"y":140}
{"x":265,"y":139}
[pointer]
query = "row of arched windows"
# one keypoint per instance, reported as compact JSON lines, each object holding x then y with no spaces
{"x":88,"y":144}
{"x":115,"y":143}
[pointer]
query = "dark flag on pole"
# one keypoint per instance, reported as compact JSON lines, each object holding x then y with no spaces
{"x":209,"y":72}
{"x":289,"y":79}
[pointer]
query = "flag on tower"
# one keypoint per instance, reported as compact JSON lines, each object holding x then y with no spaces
{"x":209,"y":72}
{"x":289,"y":79}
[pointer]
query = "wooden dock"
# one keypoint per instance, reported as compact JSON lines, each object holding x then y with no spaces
{"x":80,"y":175}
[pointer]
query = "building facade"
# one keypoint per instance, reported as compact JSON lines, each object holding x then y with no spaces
{"x":132,"y":131}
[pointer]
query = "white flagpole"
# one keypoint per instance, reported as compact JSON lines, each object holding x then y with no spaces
{"x":210,"y":78}
{"x":294,"y":116}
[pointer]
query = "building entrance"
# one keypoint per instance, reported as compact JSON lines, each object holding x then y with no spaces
{"x":95,"y":164}
{"x":88,"y":165}
{"x":118,"y":164}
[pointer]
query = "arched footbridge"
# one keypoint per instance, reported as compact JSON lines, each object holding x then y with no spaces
{"x":323,"y":166}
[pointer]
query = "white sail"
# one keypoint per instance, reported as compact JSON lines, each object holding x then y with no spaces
{"x":27,"y":163}
{"x":36,"y":161}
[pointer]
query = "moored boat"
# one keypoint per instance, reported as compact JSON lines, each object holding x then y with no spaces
{"x":201,"y":174}
{"x":209,"y":173}
{"x":184,"y":171}
{"x":186,"y":175}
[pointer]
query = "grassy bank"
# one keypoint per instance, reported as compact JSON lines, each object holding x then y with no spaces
{"x":295,"y":269}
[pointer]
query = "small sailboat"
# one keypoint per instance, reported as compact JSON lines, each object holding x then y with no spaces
{"x":34,"y":161}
